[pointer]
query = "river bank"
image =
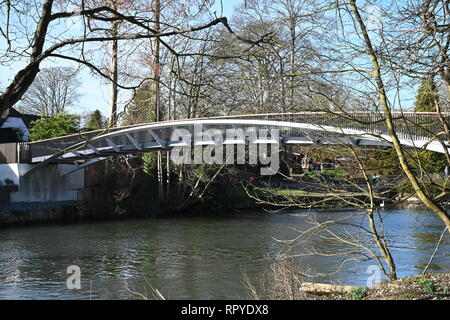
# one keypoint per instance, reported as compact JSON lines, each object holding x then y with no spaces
{"x":105,"y":207}
{"x":431,"y":286}
{"x":233,"y":203}
{"x":26,"y":213}
{"x":235,"y":199}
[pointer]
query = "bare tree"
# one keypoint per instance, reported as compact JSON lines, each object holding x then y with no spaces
{"x":114,"y":71}
{"x":42,"y":40}
{"x":385,"y":105}
{"x":54,"y":90}
{"x":354,"y":190}
{"x":156,"y":75}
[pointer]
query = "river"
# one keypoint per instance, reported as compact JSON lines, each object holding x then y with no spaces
{"x":189,"y":257}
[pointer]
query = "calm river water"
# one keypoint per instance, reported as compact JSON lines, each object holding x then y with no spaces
{"x":188,"y":258}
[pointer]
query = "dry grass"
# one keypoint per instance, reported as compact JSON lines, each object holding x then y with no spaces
{"x":281,"y":282}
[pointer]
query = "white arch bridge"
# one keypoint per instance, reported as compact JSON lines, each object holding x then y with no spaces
{"x":305,"y":128}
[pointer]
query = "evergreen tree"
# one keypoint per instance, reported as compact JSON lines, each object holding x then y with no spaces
{"x":426,"y":95}
{"x":430,"y":161}
{"x":140,"y":109}
{"x":95,"y":120}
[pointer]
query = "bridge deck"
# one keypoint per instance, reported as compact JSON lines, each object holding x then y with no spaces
{"x":356,"y":128}
{"x":409,"y":125}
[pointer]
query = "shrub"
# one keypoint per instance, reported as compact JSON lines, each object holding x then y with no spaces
{"x":358,"y":293}
{"x":427,"y":285}
{"x":60,"y":125}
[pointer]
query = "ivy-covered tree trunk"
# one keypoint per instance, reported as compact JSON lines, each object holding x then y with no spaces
{"x":156,"y":73}
{"x":418,"y":188}
{"x":114,"y":73}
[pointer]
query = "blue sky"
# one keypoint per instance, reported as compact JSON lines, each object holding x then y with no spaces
{"x":94,"y":91}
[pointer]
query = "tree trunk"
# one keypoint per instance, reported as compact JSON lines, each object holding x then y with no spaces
{"x":155,"y":64}
{"x":292,"y":62}
{"x":25,"y":77}
{"x":114,"y":74}
{"x":421,"y":193}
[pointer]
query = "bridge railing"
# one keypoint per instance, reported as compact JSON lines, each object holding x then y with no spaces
{"x":408,"y":125}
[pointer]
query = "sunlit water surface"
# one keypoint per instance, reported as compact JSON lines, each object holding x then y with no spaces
{"x":190,"y":258}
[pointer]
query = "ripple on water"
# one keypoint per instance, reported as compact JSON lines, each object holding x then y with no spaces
{"x":191,"y":258}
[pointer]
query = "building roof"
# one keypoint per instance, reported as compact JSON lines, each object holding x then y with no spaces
{"x":11,"y":112}
{"x":28,"y":118}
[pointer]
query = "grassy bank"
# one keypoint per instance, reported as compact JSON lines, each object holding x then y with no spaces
{"x":432,"y":286}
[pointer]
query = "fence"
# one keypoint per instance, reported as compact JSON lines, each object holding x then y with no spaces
{"x":15,"y":152}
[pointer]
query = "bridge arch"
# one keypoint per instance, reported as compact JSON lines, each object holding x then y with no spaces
{"x":158,"y":136}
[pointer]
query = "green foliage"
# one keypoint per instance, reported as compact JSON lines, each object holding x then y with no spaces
{"x":150,"y":163}
{"x":384,"y":162}
{"x":335,"y":173}
{"x":236,"y":192}
{"x":20,"y":133}
{"x":426,"y":95}
{"x":95,"y":120}
{"x":428,"y":285}
{"x":60,"y":125}
{"x":328,"y":173}
{"x":140,"y":109}
{"x":446,"y":290}
{"x":432,"y":162}
{"x":358,"y":293}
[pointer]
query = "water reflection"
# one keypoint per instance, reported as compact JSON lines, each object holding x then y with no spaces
{"x":192,"y":258}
